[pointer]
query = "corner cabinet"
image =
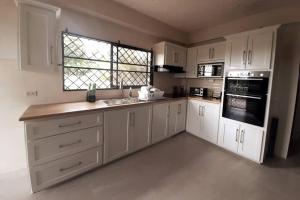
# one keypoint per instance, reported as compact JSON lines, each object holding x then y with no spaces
{"x":131,"y":133}
{"x":166,"y":53}
{"x":203,"y":120}
{"x":37,"y":35}
{"x":168,"y":119}
{"x":245,"y":140}
{"x":251,"y":50}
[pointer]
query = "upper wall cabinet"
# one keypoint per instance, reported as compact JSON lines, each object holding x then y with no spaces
{"x":251,"y":50}
{"x":211,"y":53}
{"x":166,"y":53}
{"x":37,"y":35}
{"x":191,"y":63}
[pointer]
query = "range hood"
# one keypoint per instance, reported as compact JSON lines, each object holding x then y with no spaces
{"x":168,"y":68}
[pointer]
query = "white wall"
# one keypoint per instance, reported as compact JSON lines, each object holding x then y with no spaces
{"x":287,"y":60}
{"x":272,"y":17}
{"x":14,"y":84}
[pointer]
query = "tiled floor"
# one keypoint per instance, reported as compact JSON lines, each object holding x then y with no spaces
{"x":183,"y":167}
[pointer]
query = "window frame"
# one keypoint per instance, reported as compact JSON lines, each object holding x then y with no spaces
{"x":113,"y":44}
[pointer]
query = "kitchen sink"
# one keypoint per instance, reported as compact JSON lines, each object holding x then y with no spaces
{"x":112,"y":102}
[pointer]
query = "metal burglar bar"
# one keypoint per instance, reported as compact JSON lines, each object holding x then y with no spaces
{"x":87,"y":60}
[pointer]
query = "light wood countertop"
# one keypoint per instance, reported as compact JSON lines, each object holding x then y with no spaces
{"x":60,"y":109}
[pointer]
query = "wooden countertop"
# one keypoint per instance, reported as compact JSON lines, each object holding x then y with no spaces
{"x":59,"y":109}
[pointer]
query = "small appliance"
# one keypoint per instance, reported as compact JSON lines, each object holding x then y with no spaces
{"x":198,"y":91}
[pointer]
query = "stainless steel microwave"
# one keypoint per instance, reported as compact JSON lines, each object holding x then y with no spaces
{"x":210,"y":70}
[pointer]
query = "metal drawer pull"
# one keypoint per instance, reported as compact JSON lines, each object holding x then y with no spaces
{"x":244,"y":57}
{"x":51,"y":55}
{"x":242,"y":136}
{"x":70,"y":144}
{"x":237,"y":135}
{"x":67,"y":125}
{"x":200,"y":107}
{"x":179,"y":109}
{"x":249,"y":57}
{"x":71,"y":167}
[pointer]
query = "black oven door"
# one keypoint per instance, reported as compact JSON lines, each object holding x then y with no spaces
{"x":245,"y":99}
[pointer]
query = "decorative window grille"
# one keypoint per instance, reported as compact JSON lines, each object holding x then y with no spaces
{"x":87,"y":60}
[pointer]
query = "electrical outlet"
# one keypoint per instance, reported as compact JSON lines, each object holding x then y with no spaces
{"x":32,"y":93}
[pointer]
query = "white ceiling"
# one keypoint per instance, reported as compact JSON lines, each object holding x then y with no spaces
{"x":192,"y":15}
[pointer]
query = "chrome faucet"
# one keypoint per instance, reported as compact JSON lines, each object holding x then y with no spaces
{"x":121,"y":87}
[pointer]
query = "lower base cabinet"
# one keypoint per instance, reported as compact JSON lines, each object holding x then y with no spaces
{"x":245,"y":140}
{"x":203,"y":120}
{"x":168,"y":119}
{"x":125,"y":131}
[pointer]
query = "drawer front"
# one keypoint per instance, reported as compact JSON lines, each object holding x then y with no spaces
{"x":51,"y":148}
{"x":47,"y":127}
{"x":54,"y":172}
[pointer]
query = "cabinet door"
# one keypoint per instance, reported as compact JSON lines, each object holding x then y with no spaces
{"x":250,"y":142}
{"x":210,"y":113}
{"x":229,"y":135}
{"x":260,"y":50}
{"x":191,"y":66}
{"x":238,"y":51}
{"x":175,"y":55}
{"x":160,"y":122}
{"x":139,"y":127}
{"x":203,"y":54}
{"x":218,"y":52}
{"x":37,"y":38}
{"x":193,"y":117}
{"x":173,"y":112}
{"x":115,"y":134}
{"x":181,"y":116}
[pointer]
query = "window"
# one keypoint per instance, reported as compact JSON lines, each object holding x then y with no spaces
{"x":87,"y":60}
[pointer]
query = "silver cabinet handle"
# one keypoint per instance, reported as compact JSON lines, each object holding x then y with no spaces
{"x":132,"y":119}
{"x":51,"y":54}
{"x":67,"y":125}
{"x":249,"y":57}
{"x":242,"y":136}
{"x":237,"y":135}
{"x":71,"y":167}
{"x":203,"y":110}
{"x":209,"y":54}
{"x":244,"y":57}
{"x":213,"y":53}
{"x":179,"y":109}
{"x":200,"y":107}
{"x":69,"y":144}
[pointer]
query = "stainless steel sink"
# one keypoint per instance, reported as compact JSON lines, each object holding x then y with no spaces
{"x":112,"y":102}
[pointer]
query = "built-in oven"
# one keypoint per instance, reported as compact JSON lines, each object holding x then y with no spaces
{"x":245,"y":96}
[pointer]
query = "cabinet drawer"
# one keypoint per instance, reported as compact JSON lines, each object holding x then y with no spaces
{"x":54,"y":172}
{"x":51,"y":148}
{"x":43,"y":128}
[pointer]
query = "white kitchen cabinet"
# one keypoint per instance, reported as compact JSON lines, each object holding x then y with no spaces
{"x":260,"y":50}
{"x":139,"y":127}
{"x":203,"y":120}
{"x":160,"y":118}
{"x":181,"y":116}
{"x":177,"y":116}
{"x":193,"y":117}
{"x":115,"y":134}
{"x":211,"y":53}
{"x":37,"y":36}
{"x":191,"y":64}
{"x":251,"y":50}
{"x":250,"y":143}
{"x":229,"y":135}
{"x":166,"y":53}
{"x":242,"y":139}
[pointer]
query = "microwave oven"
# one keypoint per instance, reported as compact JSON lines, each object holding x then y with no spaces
{"x":210,"y":70}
